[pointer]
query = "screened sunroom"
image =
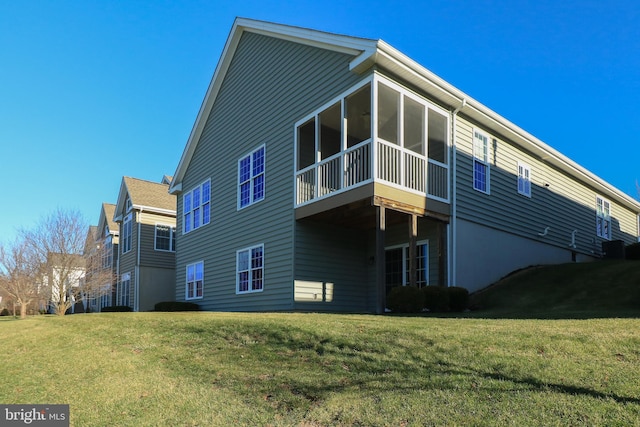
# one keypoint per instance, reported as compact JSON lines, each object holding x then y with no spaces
{"x":378,"y":137}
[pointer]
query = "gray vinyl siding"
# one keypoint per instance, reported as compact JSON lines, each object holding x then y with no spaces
{"x":156,"y":285}
{"x":270,"y":85}
{"x":156,"y":275}
{"x":328,"y":254}
{"x":149,"y":256}
{"x":127,"y":261}
{"x":564,"y":205}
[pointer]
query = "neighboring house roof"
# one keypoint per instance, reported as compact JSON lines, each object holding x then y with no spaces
{"x":93,"y":232}
{"x":106,"y":218}
{"x":367,"y":53}
{"x":145,"y":196}
{"x":92,"y":235}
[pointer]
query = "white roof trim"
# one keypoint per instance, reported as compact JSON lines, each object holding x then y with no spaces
{"x":335,"y":42}
{"x":447,"y":93}
{"x":368,"y":52}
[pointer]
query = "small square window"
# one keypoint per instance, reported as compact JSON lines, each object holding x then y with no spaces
{"x":524,"y":180}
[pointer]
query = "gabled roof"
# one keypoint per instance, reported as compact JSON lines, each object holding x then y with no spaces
{"x":145,"y":196}
{"x":339,"y":43}
{"x":106,"y":218}
{"x":92,"y":233}
{"x":367,"y":53}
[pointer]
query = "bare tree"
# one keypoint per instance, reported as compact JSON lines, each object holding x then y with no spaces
{"x":99,"y":278}
{"x":58,"y":242}
{"x":19,"y":274}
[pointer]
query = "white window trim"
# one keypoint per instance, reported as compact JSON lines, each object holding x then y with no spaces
{"x":172,"y":234}
{"x":193,"y":207}
{"x":127,"y":219}
{"x":524,"y":167}
{"x":126,"y":277}
{"x":482,"y":161}
{"x":604,"y":218}
{"x":264,"y":178}
{"x":250,"y":291}
{"x":405,"y":259}
{"x":186,"y":282}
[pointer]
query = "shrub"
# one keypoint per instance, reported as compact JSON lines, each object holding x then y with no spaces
{"x":632,"y":251}
{"x":405,"y":299}
{"x":4,"y":312}
{"x":436,"y":298}
{"x":458,"y":298}
{"x":116,"y":308}
{"x":176,"y":306}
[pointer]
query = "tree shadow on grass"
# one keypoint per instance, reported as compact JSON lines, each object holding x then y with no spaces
{"x":317,"y":365}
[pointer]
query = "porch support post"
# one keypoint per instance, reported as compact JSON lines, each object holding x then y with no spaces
{"x":380,"y":259}
{"x":442,"y":250}
{"x":413,"y":250}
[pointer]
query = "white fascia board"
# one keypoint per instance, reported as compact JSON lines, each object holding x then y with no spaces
{"x":152,"y":209}
{"x":121,"y":198}
{"x":205,"y":107}
{"x":335,"y":42}
{"x":389,"y":57}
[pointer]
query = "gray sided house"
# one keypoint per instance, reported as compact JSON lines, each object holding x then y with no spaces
{"x":146,"y":215}
{"x":106,"y":250}
{"x":323,"y":169}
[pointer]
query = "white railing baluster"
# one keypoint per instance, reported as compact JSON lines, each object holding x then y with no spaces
{"x":355,"y":166}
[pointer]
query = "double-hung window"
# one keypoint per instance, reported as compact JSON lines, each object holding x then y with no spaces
{"x":165,"y":238}
{"x":250,"y":269}
{"x":125,"y":288}
{"x":195,"y":281}
{"x":480,"y":161}
{"x":196,"y":205}
{"x":126,"y":233}
{"x":251,"y":178}
{"x":603,"y":218}
{"x":107,"y":252}
{"x":524,"y":179}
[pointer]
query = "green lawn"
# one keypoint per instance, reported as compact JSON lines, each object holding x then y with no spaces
{"x":204,"y":369}
{"x":576,"y":290}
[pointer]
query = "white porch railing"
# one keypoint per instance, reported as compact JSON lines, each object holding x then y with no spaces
{"x":353,"y":167}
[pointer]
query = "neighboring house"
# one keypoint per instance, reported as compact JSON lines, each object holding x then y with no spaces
{"x":104,"y":252}
{"x":63,"y":278}
{"x":146,"y":216}
{"x":323,"y":169}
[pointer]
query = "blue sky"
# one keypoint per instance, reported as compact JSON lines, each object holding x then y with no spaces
{"x":94,"y":90}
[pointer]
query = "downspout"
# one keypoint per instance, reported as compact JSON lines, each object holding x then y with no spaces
{"x":136,"y":293}
{"x":453,"y":264}
{"x":118,"y":288}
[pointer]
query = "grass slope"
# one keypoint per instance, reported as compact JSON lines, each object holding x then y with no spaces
{"x":216,"y":369}
{"x":577,"y":290}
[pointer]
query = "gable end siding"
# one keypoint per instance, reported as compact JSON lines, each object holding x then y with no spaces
{"x":270,"y":84}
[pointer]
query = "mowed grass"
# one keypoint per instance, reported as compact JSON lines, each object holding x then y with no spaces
{"x":214,"y":369}
{"x":575,"y":290}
